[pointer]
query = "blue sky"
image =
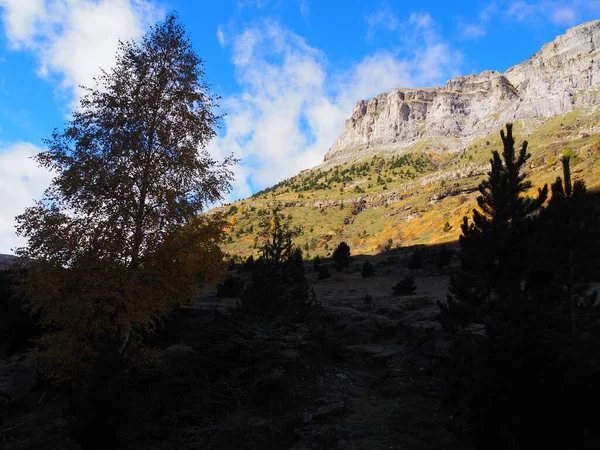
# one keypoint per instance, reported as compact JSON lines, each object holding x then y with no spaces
{"x":288,"y":71}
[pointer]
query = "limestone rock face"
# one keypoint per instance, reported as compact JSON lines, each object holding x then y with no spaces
{"x":563,"y":75}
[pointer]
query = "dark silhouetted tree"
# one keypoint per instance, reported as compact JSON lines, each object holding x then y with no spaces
{"x":531,"y":356}
{"x":416,"y":260}
{"x":443,"y":258}
{"x":367,"y":269}
{"x":316,"y":263}
{"x":341,"y":256}
{"x":278,"y":279}
{"x":405,"y":286}
{"x":569,"y":227}
{"x":494,"y":243}
{"x":116,"y":240}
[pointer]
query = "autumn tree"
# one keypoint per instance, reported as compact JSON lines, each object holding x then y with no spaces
{"x":116,"y":241}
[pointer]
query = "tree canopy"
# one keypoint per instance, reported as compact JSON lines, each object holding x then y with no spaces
{"x":116,"y":239}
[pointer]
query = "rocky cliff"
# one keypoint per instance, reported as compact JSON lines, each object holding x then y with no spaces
{"x":563,"y":75}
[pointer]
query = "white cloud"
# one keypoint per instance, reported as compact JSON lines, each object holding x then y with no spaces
{"x":303,"y":5}
{"x":382,"y":19}
{"x":292,"y":107}
{"x":304,"y":8}
{"x":421,"y":20}
{"x":220,"y":35}
{"x":21,"y":182}
{"x":252,"y":3}
{"x":477,"y":28}
{"x":564,"y":15}
{"x":72,"y":39}
{"x":521,"y":10}
{"x":558,"y":12}
{"x":473,"y":31}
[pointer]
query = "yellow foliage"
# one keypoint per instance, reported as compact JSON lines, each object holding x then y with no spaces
{"x":86,"y":304}
{"x":274,"y":224}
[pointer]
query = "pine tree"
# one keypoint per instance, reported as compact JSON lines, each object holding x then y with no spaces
{"x":278,"y":278}
{"x":341,"y":256}
{"x":519,"y":279}
{"x":493,"y":244}
{"x":568,"y":228}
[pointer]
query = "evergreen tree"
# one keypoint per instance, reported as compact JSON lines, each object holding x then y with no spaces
{"x":443,"y":258}
{"x":534,"y":359}
{"x":278,"y":278}
{"x":341,"y":256}
{"x":569,"y":227}
{"x":494,"y":243}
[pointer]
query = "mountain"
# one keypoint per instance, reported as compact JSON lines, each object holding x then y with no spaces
{"x":559,"y":78}
{"x":406,"y":166}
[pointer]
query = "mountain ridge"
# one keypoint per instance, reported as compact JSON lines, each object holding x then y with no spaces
{"x":557,"y":79}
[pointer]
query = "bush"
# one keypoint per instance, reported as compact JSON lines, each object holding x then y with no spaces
{"x":367,"y":269}
{"x":17,"y":327}
{"x":443,"y":258}
{"x":368,"y":299}
{"x":98,"y":408}
{"x":405,"y":286}
{"x":230,"y":287}
{"x":323,"y":273}
{"x":341,"y":256}
{"x":248,"y":264}
{"x":416,"y":260}
{"x":316,"y":263}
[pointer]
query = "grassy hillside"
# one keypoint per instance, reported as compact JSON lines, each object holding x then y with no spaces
{"x":418,"y":197}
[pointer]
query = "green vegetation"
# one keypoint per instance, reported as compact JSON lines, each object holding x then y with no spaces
{"x":406,"y":210}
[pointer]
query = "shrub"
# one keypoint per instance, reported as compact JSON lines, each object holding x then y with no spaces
{"x":405,"y":286}
{"x":249,"y":264}
{"x":316,"y":263}
{"x":323,"y":273}
{"x":341,"y":256}
{"x":367,"y":269}
{"x":443,"y":258}
{"x":230,"y":287}
{"x":416,"y":260}
{"x":17,"y":327}
{"x":368,"y":299}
